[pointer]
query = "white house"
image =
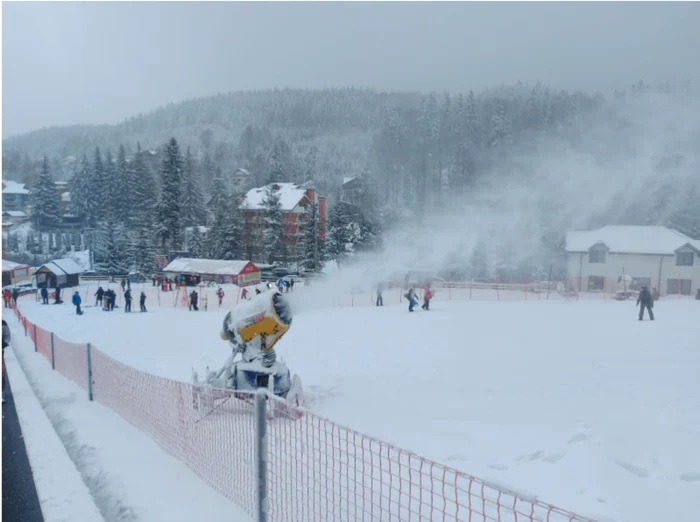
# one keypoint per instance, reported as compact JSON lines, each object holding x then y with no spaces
{"x":657,"y":257}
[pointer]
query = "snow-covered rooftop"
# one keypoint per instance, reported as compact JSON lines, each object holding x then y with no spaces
{"x":81,"y":258}
{"x":630,"y":240}
{"x":63,"y":266}
{"x":12,"y":187}
{"x":186,"y":265}
{"x":14,"y":213}
{"x":290,"y":196}
{"x":11,"y":265}
{"x":348,"y":179}
{"x":65,"y":197}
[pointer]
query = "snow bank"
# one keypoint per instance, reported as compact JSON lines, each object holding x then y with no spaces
{"x":62,"y":493}
{"x":129,"y":476}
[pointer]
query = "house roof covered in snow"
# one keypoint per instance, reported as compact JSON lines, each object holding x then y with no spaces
{"x":65,"y":197}
{"x":12,"y":187}
{"x":290,"y":196}
{"x":14,"y":213}
{"x":224,"y":267}
{"x":8,"y":266}
{"x":630,"y":240}
{"x":65,"y":266}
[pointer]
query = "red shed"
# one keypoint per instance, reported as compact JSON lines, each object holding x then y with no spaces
{"x":241,"y":273}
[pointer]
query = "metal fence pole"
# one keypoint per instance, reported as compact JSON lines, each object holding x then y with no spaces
{"x":260,"y":456}
{"x":89,"y":371}
{"x":53,"y":358}
{"x":36,"y":347}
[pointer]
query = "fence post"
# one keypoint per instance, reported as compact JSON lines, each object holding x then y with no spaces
{"x":89,"y":371}
{"x":24,"y":323}
{"x":53,"y":358}
{"x":260,"y":456}
{"x":36,"y":348}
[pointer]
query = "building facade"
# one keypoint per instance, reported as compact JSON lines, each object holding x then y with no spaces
{"x":295,"y":201}
{"x":605,"y":259}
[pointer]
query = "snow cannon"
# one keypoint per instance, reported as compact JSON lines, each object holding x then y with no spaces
{"x":253,"y":328}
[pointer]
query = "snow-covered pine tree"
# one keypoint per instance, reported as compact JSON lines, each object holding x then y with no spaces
{"x":339,"y":233}
{"x":192,"y":206}
{"x":168,"y":209}
{"x":111,"y":251}
{"x":219,"y":193}
{"x":276,"y":165}
{"x":274,"y":244}
{"x":98,"y":182}
{"x":46,"y":210}
{"x":224,"y":237}
{"x":143,"y":195}
{"x":195,"y":243}
{"x":309,"y":168}
{"x":113,"y":201}
{"x":80,"y":201}
{"x":314,"y":248}
{"x":121,"y":190}
{"x":143,"y":251}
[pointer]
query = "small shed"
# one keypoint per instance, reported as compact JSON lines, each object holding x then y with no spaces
{"x":13,"y":272}
{"x":62,"y":273}
{"x":193,"y":271}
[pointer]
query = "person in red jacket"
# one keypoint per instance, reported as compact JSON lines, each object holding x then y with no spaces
{"x":427,"y":296}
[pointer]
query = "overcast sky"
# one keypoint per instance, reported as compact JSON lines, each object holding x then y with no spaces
{"x":67,"y":63}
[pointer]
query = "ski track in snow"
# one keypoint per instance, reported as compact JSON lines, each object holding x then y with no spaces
{"x":576,"y":401}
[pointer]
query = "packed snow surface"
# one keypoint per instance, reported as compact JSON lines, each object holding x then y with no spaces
{"x":576,"y":402}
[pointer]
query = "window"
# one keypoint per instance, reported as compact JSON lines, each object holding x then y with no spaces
{"x":678,"y":286}
{"x":596,"y":283}
{"x":684,"y":258}
{"x":596,"y":256}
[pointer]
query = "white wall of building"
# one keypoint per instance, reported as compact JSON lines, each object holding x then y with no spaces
{"x":658,"y":268}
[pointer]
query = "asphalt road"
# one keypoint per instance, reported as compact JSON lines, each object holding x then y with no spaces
{"x":20,"y":502}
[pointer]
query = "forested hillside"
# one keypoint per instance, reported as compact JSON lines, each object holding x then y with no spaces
{"x":560,"y":158}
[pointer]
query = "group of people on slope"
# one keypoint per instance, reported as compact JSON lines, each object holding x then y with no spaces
{"x":10,"y":297}
{"x":411,"y":295}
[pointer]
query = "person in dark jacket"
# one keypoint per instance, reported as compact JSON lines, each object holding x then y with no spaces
{"x":44,"y":295}
{"x":15,"y":295}
{"x":647,"y":301}
{"x":100,"y":295}
{"x":380,"y":298}
{"x":412,"y":299}
{"x":57,"y":296}
{"x":142,"y":302}
{"x":127,"y":301}
{"x":193,"y":300}
{"x":76,"y":301}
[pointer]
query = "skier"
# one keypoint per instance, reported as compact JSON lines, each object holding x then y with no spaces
{"x":127,"y":301}
{"x":193,"y":300}
{"x":412,"y":299}
{"x":7,"y":297}
{"x":15,"y":295}
{"x":427,"y":295}
{"x":44,"y":295}
{"x":257,"y":291}
{"x":244,"y":294}
{"x":647,"y":301}
{"x":380,"y":298}
{"x":123,"y":284}
{"x":280,"y":285}
{"x":111,"y":299}
{"x":220,"y":295}
{"x":76,"y":301}
{"x":142,"y":302}
{"x":100,"y":295}
{"x":57,"y":295}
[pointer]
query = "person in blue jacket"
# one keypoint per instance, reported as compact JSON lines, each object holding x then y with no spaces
{"x":44,"y":295}
{"x":76,"y":301}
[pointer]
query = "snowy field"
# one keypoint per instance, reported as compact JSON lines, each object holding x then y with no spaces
{"x":575,"y":402}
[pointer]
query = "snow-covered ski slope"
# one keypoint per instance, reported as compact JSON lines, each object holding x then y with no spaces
{"x":577,"y":403}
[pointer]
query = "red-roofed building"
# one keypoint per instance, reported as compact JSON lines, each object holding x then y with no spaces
{"x":295,"y":200}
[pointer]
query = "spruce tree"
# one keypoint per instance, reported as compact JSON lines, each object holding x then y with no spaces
{"x":114,"y":206}
{"x":111,"y":250}
{"x":195,"y":243}
{"x":313,"y":244}
{"x":168,"y":209}
{"x":82,"y":202}
{"x":339,"y":233}
{"x":47,"y":205}
{"x":274,"y":245}
{"x":143,"y":195}
{"x":142,"y":251}
{"x":122,"y":190}
{"x":224,"y":239}
{"x":193,"y":211}
{"x":219,"y":194}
